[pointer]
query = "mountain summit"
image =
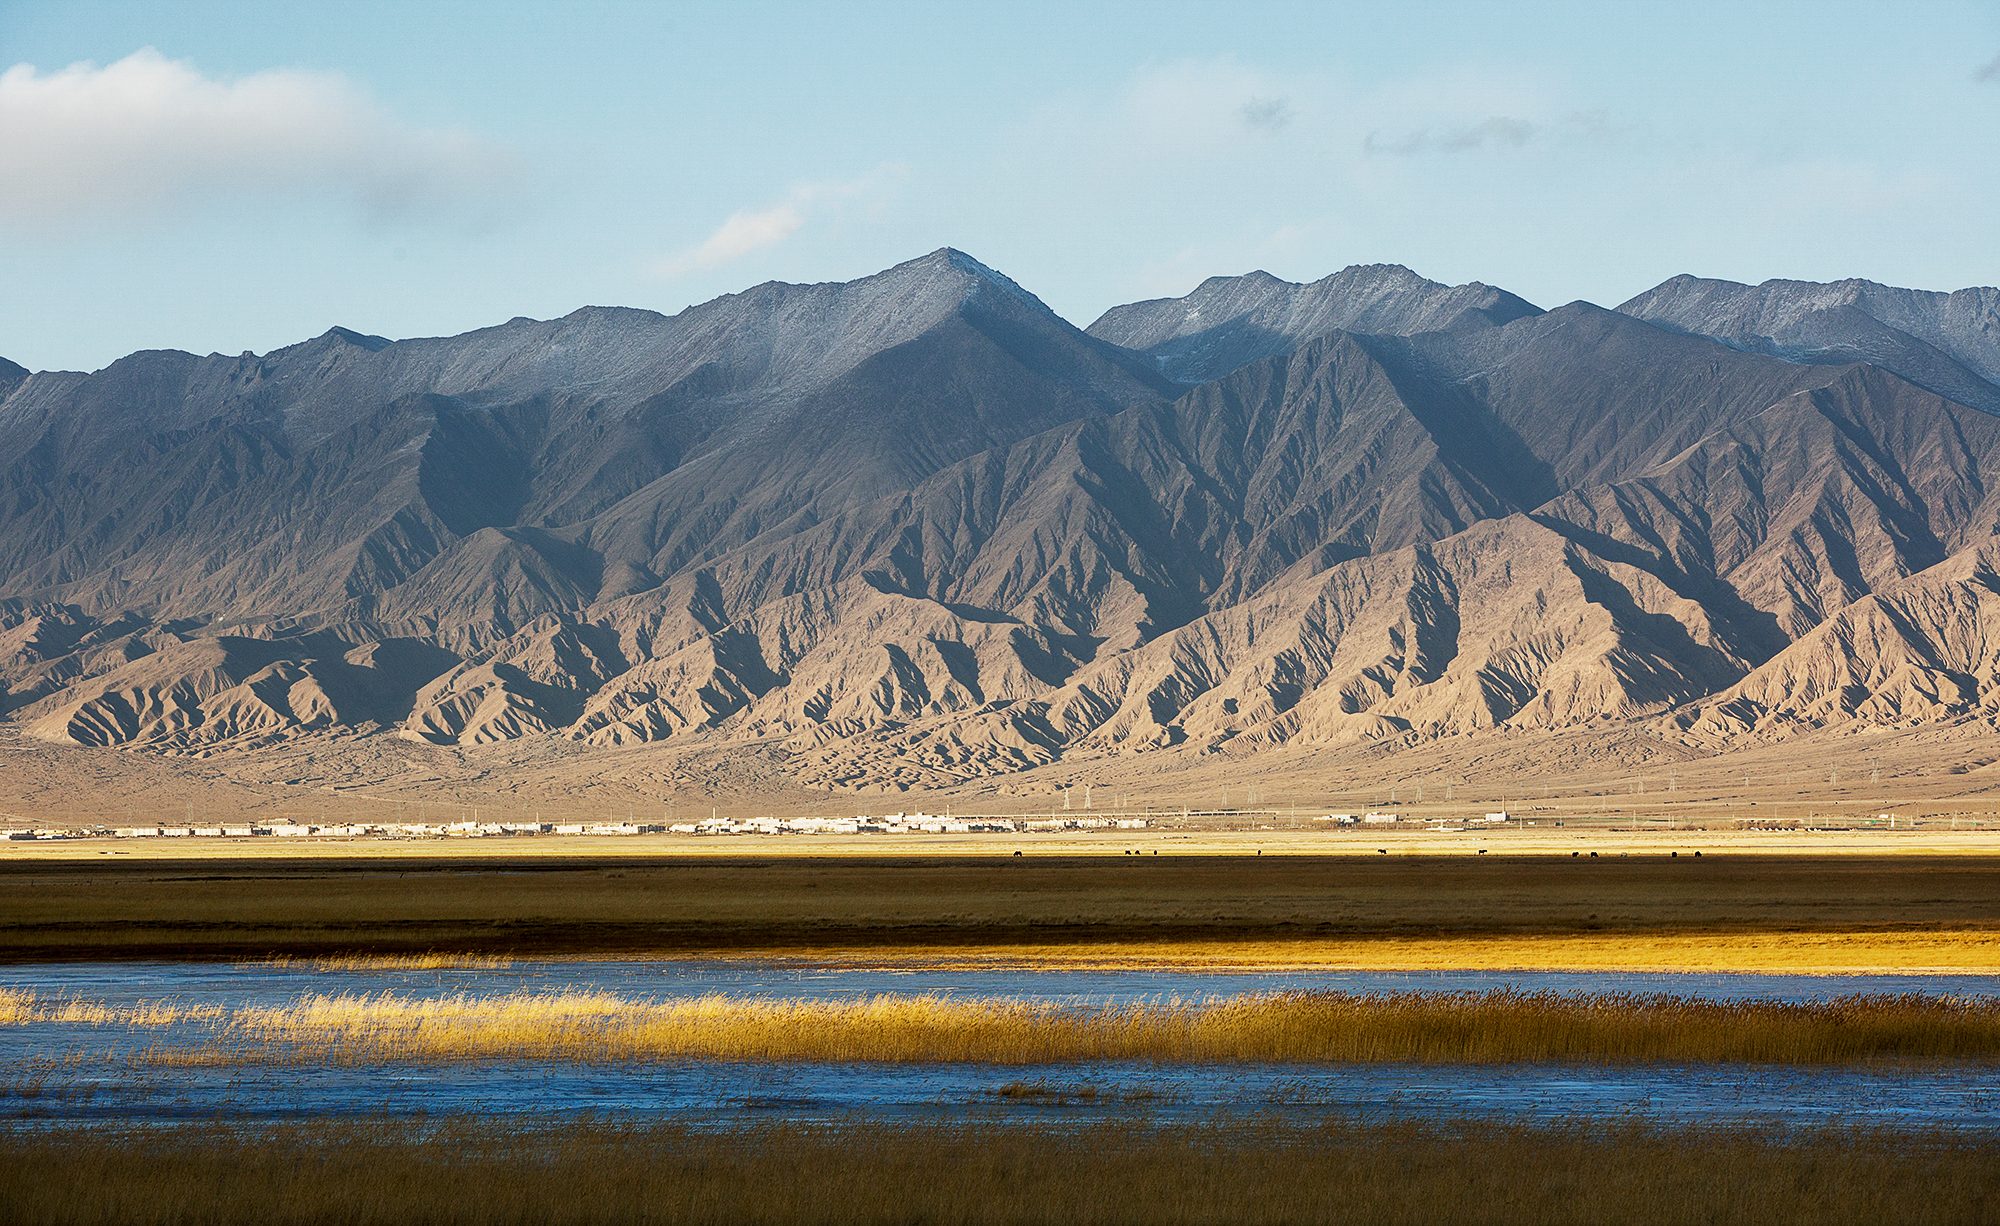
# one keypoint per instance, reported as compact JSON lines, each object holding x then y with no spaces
{"x":1229,"y":322}
{"x":1949,"y":343}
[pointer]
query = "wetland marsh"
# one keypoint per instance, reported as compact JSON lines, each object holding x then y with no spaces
{"x":1315,"y":1009}
{"x":721,"y":1042}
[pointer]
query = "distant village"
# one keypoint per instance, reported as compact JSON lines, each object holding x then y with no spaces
{"x":904,"y":824}
{"x":892,"y":823}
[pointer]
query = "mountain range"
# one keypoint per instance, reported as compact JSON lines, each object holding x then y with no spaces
{"x":916,"y":530}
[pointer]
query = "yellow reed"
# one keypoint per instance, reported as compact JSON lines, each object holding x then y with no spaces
{"x":577,"y":1025}
{"x":388,"y":962}
{"x":1308,"y":1026}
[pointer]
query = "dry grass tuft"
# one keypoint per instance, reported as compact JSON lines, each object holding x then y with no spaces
{"x":1230,"y":1171}
{"x":18,"y":1008}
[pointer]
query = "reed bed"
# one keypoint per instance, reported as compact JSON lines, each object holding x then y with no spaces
{"x":19,"y":1008}
{"x":1433,"y":1027}
{"x":388,"y":962}
{"x":1430,"y":1027}
{"x":1225,"y":1171}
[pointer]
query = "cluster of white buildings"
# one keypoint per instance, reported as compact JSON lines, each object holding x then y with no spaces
{"x":893,"y":823}
{"x":402,"y":830}
{"x":901,"y":823}
{"x":1384,"y":819}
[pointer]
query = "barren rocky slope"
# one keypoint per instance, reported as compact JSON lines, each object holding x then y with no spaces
{"x":916,"y":530}
{"x":1230,"y":321}
{"x":1949,"y":343}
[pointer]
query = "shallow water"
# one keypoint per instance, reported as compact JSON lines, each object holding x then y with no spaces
{"x":240,"y":984}
{"x":722,"y":1093}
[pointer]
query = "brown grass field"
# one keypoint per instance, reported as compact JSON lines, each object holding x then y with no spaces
{"x":1238,"y":1172}
{"x":1773,"y":911}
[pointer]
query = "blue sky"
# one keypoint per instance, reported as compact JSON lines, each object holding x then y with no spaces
{"x":223,"y":177}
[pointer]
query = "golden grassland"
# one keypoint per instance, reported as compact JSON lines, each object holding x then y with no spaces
{"x":1936,"y":952}
{"x":430,"y":961}
{"x":1235,"y":1171}
{"x":1717,"y":912}
{"x":1432,"y":1027}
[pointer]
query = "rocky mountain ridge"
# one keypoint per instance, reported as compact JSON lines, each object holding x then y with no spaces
{"x":916,"y":530}
{"x":1948,"y":343}
{"x":1229,"y":322}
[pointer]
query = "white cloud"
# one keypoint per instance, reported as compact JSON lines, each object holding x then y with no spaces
{"x":1496,"y":132}
{"x":146,"y":135}
{"x":749,"y":230}
{"x":742,"y":234}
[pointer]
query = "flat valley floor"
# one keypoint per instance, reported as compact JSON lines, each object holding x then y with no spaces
{"x":398,"y":1052}
{"x":1801,"y":902}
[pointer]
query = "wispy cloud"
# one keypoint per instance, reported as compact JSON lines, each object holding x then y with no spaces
{"x":749,"y":230}
{"x":135,"y":139}
{"x":1269,"y":115}
{"x":1497,"y":131}
{"x":1990,"y":73}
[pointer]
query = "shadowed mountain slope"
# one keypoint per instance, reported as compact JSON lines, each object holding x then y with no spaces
{"x":1926,"y":649}
{"x":915,"y":530}
{"x":341,"y":468}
